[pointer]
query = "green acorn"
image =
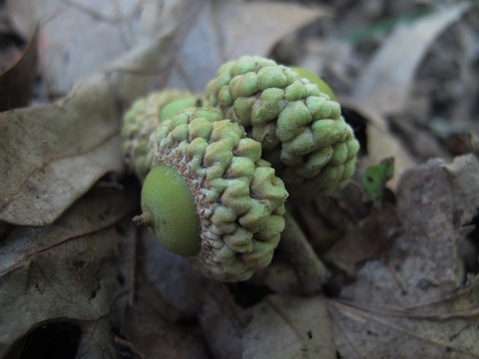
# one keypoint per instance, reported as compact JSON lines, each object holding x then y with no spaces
{"x":210,"y":196}
{"x":300,"y":127}
{"x":312,"y":78}
{"x":142,"y":119}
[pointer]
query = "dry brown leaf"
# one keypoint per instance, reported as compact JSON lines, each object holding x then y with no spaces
{"x":391,"y":297}
{"x":386,"y":83}
{"x":167,"y":293}
{"x":434,"y":202}
{"x":285,"y":326}
{"x":223,"y":323}
{"x":80,"y":220}
{"x":225,"y":30}
{"x":52,"y":154}
{"x":152,"y":336}
{"x":171,"y":278}
{"x":68,"y":271}
{"x":442,"y":329}
{"x":371,"y":238}
{"x":79,"y":37}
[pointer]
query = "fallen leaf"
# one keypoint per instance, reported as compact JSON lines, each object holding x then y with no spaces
{"x":68,"y":272}
{"x":285,"y":326}
{"x":150,"y":335}
{"x":168,"y":295}
{"x":441,"y":329}
{"x":171,"y":277}
{"x":223,"y":323}
{"x":434,"y":202}
{"x":411,"y":296}
{"x":79,"y":37}
{"x":52,"y":154}
{"x":386,"y":82}
{"x":370,"y":238}
{"x":225,"y":30}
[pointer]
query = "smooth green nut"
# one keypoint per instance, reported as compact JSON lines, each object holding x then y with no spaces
{"x":174,"y":107}
{"x":169,"y":211}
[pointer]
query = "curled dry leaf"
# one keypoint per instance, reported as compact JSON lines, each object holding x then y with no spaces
{"x":386,"y":83}
{"x":69,"y":271}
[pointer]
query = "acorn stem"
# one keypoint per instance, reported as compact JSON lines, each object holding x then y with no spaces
{"x":310,"y":270}
{"x":141,"y":220}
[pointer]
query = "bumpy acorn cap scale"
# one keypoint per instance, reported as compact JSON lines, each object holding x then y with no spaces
{"x":142,"y":119}
{"x":300,"y":128}
{"x":239,"y":200}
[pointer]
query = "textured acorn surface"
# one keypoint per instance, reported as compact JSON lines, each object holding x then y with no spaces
{"x":239,"y":200}
{"x":300,"y":128}
{"x":142,"y":119}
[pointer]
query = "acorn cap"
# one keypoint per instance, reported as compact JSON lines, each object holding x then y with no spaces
{"x":239,"y":200}
{"x":300,"y":128}
{"x":142,"y":119}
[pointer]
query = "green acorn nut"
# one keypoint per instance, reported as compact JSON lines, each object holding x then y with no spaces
{"x":167,"y":205}
{"x":300,"y":127}
{"x":323,"y":86}
{"x":237,"y":201}
{"x":142,"y":119}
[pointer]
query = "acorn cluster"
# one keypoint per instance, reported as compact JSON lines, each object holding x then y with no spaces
{"x":261,"y":132}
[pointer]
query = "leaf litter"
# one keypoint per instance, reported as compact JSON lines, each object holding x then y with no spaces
{"x":52,"y":154}
{"x":68,"y":270}
{"x":411,"y":296}
{"x":388,"y":78}
{"x":395,"y":282}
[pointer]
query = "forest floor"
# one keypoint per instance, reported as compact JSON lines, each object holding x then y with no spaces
{"x":400,"y":243}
